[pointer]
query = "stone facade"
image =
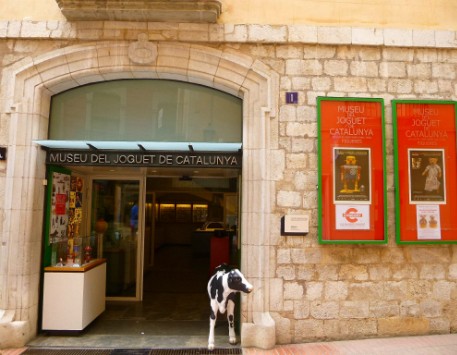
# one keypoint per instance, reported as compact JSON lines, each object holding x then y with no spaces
{"x":304,"y":291}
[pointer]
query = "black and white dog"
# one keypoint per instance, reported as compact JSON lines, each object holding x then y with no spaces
{"x":222,"y":288}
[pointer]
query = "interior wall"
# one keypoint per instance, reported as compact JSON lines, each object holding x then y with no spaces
{"x":181,"y":231}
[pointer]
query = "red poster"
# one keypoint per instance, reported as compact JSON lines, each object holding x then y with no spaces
{"x":61,"y":201}
{"x":425,"y":170}
{"x":351,"y":165}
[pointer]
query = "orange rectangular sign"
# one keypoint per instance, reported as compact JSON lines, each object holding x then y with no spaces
{"x":351,"y":170}
{"x":425,"y":165}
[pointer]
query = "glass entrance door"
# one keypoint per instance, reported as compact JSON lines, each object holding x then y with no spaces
{"x":116,"y":224}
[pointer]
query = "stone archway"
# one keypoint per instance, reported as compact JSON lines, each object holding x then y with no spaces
{"x":28,"y":87}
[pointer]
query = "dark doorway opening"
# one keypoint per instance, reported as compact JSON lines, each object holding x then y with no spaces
{"x":191,"y":223}
{"x":177,"y":263}
{"x":182,"y":217}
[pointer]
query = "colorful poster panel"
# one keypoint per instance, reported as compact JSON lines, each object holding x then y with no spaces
{"x":352,"y":175}
{"x":425,"y":169}
{"x":351,"y":155}
{"x":60,"y":202}
{"x":76,"y":205}
{"x":426,"y":176}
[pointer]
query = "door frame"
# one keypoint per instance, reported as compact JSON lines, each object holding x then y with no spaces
{"x":141,"y":178}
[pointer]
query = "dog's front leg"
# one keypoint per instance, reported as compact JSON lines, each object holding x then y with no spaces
{"x":231,"y":321}
{"x":212,"y":323}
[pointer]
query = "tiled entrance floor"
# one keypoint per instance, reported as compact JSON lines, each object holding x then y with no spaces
{"x":173,"y":314}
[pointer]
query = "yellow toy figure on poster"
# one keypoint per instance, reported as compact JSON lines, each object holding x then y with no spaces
{"x":72,"y":199}
{"x":350,"y":175}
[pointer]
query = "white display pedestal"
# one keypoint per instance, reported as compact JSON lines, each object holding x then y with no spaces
{"x":73,"y":296}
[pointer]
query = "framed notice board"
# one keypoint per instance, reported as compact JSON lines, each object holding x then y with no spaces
{"x":351,"y":151}
{"x":425,"y":171}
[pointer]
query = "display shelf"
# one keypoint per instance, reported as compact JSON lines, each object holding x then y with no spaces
{"x":83,"y":268}
{"x":73,"y":296}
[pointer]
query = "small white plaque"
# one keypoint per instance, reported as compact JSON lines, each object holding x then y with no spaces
{"x":296,"y":224}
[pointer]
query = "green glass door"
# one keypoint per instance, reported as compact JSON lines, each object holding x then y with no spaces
{"x":114,"y":225}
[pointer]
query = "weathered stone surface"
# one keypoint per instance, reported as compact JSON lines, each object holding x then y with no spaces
{"x":354,"y":272}
{"x":403,"y":326}
{"x":324,"y":310}
{"x":152,"y":10}
{"x":384,"y":309}
{"x":283,"y":334}
{"x":354,"y":309}
{"x":314,"y":290}
{"x":301,"y":309}
{"x":336,"y":290}
{"x":293,"y":290}
{"x":308,"y":329}
{"x":358,"y":328}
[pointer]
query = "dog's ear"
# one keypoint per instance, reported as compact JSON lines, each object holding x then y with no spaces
{"x":223,"y":267}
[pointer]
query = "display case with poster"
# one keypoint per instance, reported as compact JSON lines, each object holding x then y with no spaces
{"x":74,"y":281}
{"x":352,"y":194}
{"x":65,"y":242}
{"x":57,"y":215}
{"x":425,"y":171}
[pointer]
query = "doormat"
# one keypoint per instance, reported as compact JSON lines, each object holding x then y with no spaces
{"x":190,"y":351}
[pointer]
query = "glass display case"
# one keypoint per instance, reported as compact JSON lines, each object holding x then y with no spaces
{"x":200,"y":212}
{"x":74,"y":252}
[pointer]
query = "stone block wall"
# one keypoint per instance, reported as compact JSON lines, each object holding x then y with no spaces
{"x":322,"y":292}
{"x":312,"y":291}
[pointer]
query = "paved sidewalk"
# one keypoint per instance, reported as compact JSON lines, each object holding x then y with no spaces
{"x":17,"y":351}
{"x":413,"y":345}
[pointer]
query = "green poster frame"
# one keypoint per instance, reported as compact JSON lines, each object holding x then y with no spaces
{"x":441,"y":147}
{"x":331,"y":230}
{"x":47,"y":247}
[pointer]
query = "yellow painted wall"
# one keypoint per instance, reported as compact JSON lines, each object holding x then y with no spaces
{"x":431,"y":14}
{"x":30,"y":10}
{"x":420,"y":14}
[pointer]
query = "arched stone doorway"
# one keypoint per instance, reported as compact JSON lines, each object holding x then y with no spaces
{"x":28,"y":86}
